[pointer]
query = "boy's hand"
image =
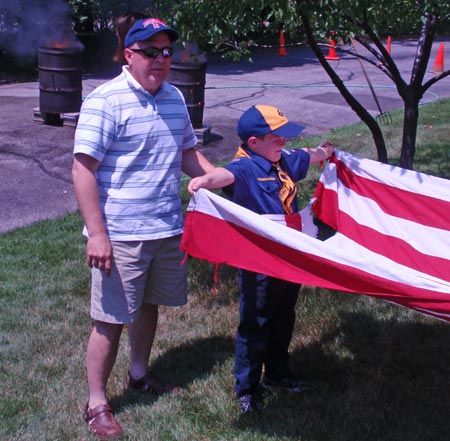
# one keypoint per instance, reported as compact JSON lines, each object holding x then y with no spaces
{"x":327,"y":148}
{"x":195,"y":183}
{"x":216,"y":178}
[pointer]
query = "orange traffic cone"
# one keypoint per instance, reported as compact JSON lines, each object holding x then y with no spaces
{"x":388,"y":50}
{"x":282,"y":46}
{"x":439,"y":63}
{"x":332,"y":52}
{"x":388,"y":45}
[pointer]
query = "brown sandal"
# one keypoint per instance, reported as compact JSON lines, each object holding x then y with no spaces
{"x":102,"y":422}
{"x":150,"y":383}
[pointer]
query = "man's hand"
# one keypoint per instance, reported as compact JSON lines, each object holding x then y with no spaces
{"x":99,"y":253}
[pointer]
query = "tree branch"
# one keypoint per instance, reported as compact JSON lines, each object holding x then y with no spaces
{"x":355,"y":105}
{"x":423,"y":51}
{"x":434,"y":80}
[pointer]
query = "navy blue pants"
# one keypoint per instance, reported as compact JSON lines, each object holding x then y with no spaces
{"x":267,"y":318}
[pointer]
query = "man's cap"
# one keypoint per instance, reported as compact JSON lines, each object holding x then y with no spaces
{"x":146,"y":28}
{"x":260,"y":120}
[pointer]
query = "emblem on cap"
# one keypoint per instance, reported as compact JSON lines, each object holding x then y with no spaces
{"x":155,"y":22}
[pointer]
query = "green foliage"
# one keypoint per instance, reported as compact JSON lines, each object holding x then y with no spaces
{"x":97,"y":15}
{"x":230,"y":26}
{"x":233,"y":27}
{"x":386,"y":17}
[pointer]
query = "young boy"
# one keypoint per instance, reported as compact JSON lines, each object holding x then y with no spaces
{"x":262,"y":178}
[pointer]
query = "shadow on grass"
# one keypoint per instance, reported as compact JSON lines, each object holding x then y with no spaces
{"x":185,"y":363}
{"x":371,"y":379}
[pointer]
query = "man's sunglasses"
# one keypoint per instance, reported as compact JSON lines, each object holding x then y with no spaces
{"x":153,"y":52}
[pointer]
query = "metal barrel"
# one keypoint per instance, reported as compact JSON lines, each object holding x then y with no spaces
{"x":60,"y":79}
{"x":190,"y":79}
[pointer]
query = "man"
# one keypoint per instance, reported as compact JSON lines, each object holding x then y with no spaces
{"x":133,"y":139}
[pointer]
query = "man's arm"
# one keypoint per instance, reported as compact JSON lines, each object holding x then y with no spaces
{"x":194,"y":163}
{"x":99,"y":252}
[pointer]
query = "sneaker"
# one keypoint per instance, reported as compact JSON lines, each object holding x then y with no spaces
{"x":151,"y":383}
{"x":250,"y":402}
{"x":290,"y":384}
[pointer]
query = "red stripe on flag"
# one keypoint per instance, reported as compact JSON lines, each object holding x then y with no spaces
{"x":397,"y":202}
{"x":294,"y":221}
{"x":394,"y":248}
{"x":326,"y":207}
{"x":216,"y":240}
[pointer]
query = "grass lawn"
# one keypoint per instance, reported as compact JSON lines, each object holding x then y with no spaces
{"x":378,"y":372}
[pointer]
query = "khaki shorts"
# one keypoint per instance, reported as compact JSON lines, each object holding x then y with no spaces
{"x":142,"y":272}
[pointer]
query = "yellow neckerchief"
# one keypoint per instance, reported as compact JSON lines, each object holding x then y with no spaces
{"x":241,"y":153}
{"x":288,"y":190}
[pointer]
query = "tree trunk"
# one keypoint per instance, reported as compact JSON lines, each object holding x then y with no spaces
{"x":410,"y":121}
{"x":413,"y":93}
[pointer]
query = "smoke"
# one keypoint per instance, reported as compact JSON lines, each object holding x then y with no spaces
{"x":27,"y":24}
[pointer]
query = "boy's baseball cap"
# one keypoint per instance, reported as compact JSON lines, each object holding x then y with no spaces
{"x":146,"y":28}
{"x":260,"y":120}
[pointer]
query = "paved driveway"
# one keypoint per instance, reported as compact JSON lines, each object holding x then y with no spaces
{"x":35,"y":159}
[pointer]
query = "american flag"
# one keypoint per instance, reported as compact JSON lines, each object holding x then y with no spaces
{"x":392,"y":237}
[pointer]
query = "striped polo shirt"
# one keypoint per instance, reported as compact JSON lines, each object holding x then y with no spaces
{"x":138,"y":139}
